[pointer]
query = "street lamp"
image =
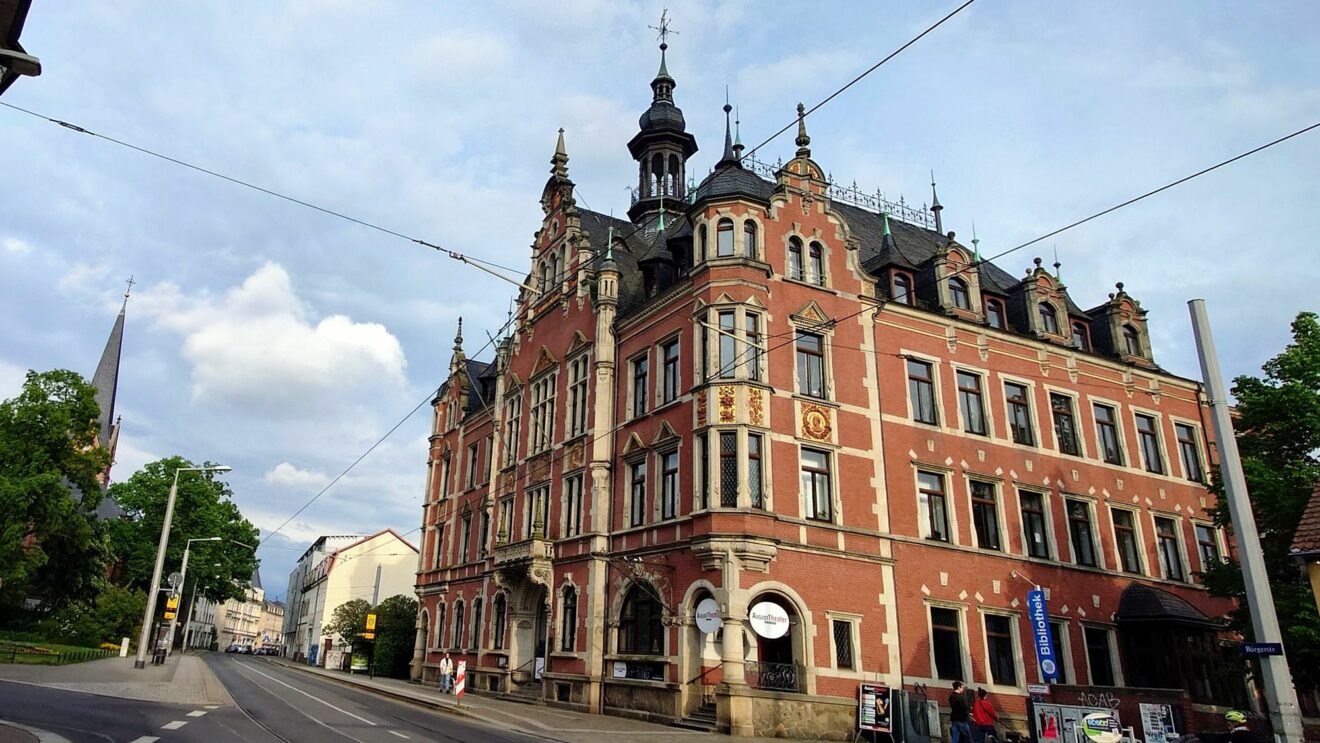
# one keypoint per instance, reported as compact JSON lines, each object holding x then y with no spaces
{"x":150,"y":612}
{"x":187,"y":625}
{"x":183,"y":582}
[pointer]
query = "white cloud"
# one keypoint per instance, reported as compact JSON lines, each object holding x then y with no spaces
{"x":259,"y":348}
{"x":15,"y":246}
{"x":11,"y":379}
{"x":290,"y":476}
{"x":461,"y":60}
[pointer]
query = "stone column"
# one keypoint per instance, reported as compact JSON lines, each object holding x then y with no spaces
{"x":735,"y":709}
{"x":419,"y":650}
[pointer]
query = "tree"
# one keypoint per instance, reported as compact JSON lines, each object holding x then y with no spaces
{"x":116,"y":614}
{"x":348,"y":620}
{"x":1278,"y":434}
{"x":50,"y":545}
{"x":203,"y":508}
{"x":396,"y":632}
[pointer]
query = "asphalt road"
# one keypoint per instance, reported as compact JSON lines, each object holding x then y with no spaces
{"x":274,"y":705}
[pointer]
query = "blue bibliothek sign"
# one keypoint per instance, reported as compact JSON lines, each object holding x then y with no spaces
{"x":1039,"y":613}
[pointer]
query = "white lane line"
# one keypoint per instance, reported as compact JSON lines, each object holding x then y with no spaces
{"x":212,"y":706}
{"x":175,"y":725}
{"x":401,"y":735}
{"x":245,"y":667}
{"x":144,"y":739}
{"x":197,"y":713}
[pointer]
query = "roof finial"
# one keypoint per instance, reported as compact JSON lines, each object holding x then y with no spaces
{"x":559,"y":162}
{"x":737,"y":134}
{"x":935,"y":205}
{"x":803,"y":141}
{"x":728,"y":135}
{"x":458,"y":337}
{"x":976,"y":244}
{"x":663,"y":35}
{"x":887,"y":233}
{"x":128,"y":289}
{"x":608,"y":264}
{"x":1057,"y":265}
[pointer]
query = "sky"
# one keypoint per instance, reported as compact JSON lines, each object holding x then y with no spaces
{"x":284,"y":342}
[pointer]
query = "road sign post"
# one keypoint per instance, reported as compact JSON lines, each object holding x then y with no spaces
{"x":460,"y":681}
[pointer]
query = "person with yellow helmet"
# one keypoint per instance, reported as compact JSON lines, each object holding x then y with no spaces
{"x":1237,"y":726}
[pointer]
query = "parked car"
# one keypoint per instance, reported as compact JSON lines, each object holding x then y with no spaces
{"x":235,"y":648}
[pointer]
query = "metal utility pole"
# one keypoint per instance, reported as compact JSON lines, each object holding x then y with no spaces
{"x":1280,"y":695}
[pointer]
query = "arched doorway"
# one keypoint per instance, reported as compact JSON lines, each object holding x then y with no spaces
{"x":775,"y":662}
{"x":529,"y":618}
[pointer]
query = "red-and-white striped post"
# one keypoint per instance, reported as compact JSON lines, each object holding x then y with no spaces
{"x":460,"y":680}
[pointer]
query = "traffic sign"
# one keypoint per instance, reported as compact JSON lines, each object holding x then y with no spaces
{"x":172,"y":602}
{"x":371,"y":622}
{"x":175,"y":579}
{"x":1262,"y":648}
{"x":368,"y":635}
{"x":170,"y":614}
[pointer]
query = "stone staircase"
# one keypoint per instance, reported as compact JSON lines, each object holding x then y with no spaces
{"x":703,"y":719}
{"x":524,"y":694}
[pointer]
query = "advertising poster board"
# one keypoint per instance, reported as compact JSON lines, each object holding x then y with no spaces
{"x":874,"y":704}
{"x":1157,"y":723}
{"x":1057,"y":723}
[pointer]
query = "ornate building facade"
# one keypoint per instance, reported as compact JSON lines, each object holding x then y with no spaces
{"x":827,"y":418}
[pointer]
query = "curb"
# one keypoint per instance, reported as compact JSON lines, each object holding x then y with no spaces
{"x":43,"y":736}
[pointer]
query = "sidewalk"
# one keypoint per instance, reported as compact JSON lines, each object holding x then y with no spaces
{"x":551,"y":723}
{"x":183,"y":679}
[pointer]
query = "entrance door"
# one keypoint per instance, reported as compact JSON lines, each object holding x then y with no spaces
{"x":542,"y":628}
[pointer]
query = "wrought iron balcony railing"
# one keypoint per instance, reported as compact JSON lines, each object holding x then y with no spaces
{"x":789,"y":677}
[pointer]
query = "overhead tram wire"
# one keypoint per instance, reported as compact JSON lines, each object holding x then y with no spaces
{"x":429,"y":395}
{"x":477,"y":263}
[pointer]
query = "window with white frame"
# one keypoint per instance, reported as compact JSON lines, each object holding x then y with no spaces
{"x":959,"y":295}
{"x":1148,"y":435}
{"x":946,"y":643}
{"x":816,"y":477}
{"x":985,"y":515}
{"x":1035,"y":528}
{"x":1099,"y":655}
{"x":1081,"y":535}
{"x":1126,"y":539}
{"x":1207,"y":546}
{"x":1189,"y":451}
{"x":641,"y":370}
{"x":796,"y":266}
{"x":737,"y":337}
{"x":1062,"y":651}
{"x":921,"y":391}
{"x":1018,"y":398}
{"x":816,"y":264}
{"x":755,"y":474}
{"x":1001,"y":650}
{"x":637,"y":493}
{"x":669,"y":484}
{"x":841,"y":636}
{"x":578,"y":373}
{"x":573,"y":505}
{"x":972,"y":403}
{"x":512,"y":428}
{"x":933,"y":506}
{"x":1106,"y":433}
{"x":669,"y":371}
{"x":1170,"y":549}
{"x":724,"y":239}
{"x":811,"y":364}
{"x":473,"y":464}
{"x":534,"y":522}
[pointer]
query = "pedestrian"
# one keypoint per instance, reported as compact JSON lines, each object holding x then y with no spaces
{"x":984,"y":717}
{"x":960,"y":727}
{"x":446,"y":674}
{"x":1238,"y":732}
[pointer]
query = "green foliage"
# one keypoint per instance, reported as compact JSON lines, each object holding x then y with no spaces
{"x":203,"y":507}
{"x":116,"y":614}
{"x":50,"y":545}
{"x":1278,"y":434}
{"x":348,"y":620}
{"x":396,"y":632}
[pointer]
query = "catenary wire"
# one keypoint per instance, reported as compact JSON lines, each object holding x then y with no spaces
{"x":461,"y":257}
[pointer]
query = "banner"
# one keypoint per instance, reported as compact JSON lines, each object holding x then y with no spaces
{"x":873,"y":708}
{"x":1039,"y":614}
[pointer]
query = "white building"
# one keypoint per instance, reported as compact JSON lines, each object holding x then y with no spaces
{"x":234,"y":622}
{"x":334,"y":571}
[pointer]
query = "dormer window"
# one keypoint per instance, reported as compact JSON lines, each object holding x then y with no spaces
{"x":958,"y":294}
{"x":1049,"y":318}
{"x":1131,"y":341}
{"x":795,"y":267}
{"x":902,"y":289}
{"x":994,"y":314}
{"x":724,"y":239}
{"x":749,"y":239}
{"x":1081,"y":338}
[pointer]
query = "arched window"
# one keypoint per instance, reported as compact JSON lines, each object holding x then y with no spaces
{"x":568,"y":621}
{"x":1081,"y":339}
{"x":724,"y":239}
{"x":795,"y":266}
{"x":458,"y":625}
{"x":641,"y":631}
{"x":658,"y":174}
{"x":701,"y":243}
{"x":1049,"y":319}
{"x":902,"y":288}
{"x":958,"y":294}
{"x":749,"y":239}
{"x":675,"y":171}
{"x":427,"y":628}
{"x":994,"y":314}
{"x":1131,"y":340}
{"x":816,"y":264}
{"x":499,"y":618}
{"x":439,"y":626}
{"x":476,"y":623}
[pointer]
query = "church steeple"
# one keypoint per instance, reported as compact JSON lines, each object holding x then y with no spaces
{"x":662,"y":145}
{"x":106,"y":378}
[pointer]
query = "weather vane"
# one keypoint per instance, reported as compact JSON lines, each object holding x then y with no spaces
{"x":663,"y":29}
{"x":130,"y":284}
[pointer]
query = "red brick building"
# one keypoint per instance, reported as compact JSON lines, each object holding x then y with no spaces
{"x":772,"y":392}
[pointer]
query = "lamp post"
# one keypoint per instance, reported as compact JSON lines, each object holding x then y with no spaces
{"x":187,"y":624}
{"x":149,"y":614}
{"x":183,"y":582}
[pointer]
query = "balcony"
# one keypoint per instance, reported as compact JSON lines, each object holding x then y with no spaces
{"x":525,"y":560}
{"x":790,"y":677}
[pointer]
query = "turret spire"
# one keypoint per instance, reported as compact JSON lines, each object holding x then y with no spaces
{"x":559,"y":162}
{"x":935,"y":205}
{"x":458,"y":337}
{"x":106,"y":377}
{"x":803,"y":141}
{"x":976,"y":244}
{"x":737,"y":135}
{"x":729,"y":156}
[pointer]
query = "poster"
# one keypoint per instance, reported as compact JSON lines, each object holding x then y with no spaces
{"x":873,"y":708}
{"x":1157,"y":722}
{"x":1048,"y":722}
{"x":1060,"y":723}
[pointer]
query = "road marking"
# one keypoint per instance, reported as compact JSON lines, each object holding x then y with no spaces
{"x":309,"y":696}
{"x":175,"y":725}
{"x":212,"y":706}
{"x":401,"y":735}
{"x":196,"y":713}
{"x":144,"y":739}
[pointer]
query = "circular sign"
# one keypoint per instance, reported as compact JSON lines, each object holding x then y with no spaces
{"x":1048,"y":666}
{"x":1101,"y":727}
{"x":768,"y":620}
{"x":708,"y":616}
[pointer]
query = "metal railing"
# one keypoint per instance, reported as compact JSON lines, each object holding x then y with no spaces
{"x":16,"y":652}
{"x":775,"y":676}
